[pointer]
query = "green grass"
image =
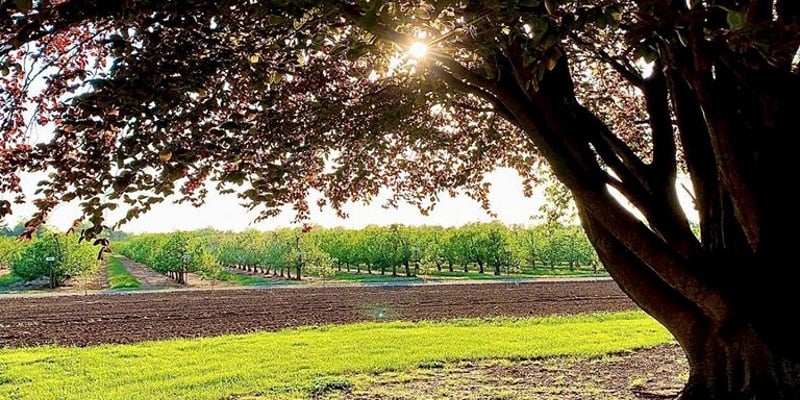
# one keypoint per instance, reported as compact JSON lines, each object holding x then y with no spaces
{"x":461,"y":275}
{"x":299,"y":363}
{"x":8,"y":280}
{"x":364,"y":277}
{"x":563,"y":271}
{"x":526,"y":274}
{"x":119,"y":277}
{"x":249,"y":280}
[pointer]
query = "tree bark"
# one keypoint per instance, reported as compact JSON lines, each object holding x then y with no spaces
{"x":728,"y":359}
{"x":734,"y":363}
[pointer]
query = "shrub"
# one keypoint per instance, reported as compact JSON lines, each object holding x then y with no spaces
{"x":69,"y":258}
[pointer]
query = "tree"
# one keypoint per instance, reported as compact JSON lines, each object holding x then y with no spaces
{"x":273,"y":99}
{"x":55,"y":256}
{"x":9,"y":249}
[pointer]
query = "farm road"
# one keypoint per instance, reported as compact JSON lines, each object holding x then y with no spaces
{"x":148,"y":279}
{"x":135,"y":317}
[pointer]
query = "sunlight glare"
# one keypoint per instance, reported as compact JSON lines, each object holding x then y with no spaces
{"x":418,"y":50}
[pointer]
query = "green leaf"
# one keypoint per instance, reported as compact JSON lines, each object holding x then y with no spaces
{"x":737,"y":19}
{"x":236,"y":177}
{"x":23,"y":5}
{"x":645,"y":53}
{"x":369,"y":20}
{"x":527,"y":59}
{"x":602,"y":21}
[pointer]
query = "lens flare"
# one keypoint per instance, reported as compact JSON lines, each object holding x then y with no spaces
{"x":418,"y":50}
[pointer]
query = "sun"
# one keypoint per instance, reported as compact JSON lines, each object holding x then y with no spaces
{"x":418,"y":50}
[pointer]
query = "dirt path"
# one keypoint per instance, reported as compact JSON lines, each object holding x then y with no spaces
{"x":134,"y":317}
{"x":148,"y":279}
{"x":99,"y":281}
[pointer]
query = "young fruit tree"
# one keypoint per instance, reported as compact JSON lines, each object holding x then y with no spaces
{"x":272,"y":99}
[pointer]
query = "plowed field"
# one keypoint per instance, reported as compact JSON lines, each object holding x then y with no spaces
{"x":134,"y":317}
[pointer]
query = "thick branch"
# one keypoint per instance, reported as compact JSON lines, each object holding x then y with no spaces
{"x":465,"y":87}
{"x":651,"y":293}
{"x":733,"y":169}
{"x":788,"y":11}
{"x":664,"y":165}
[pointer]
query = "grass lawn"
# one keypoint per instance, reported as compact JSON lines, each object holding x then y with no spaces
{"x":301,"y":363}
{"x":119,"y":277}
{"x":364,"y":277}
{"x":526,"y":274}
{"x":375,"y":276}
{"x":249,"y":280}
{"x":8,"y":280}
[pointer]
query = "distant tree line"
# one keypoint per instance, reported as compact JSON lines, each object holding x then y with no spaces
{"x":491,"y":248}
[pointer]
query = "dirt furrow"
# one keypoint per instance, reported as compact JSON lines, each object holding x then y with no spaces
{"x":134,"y":317}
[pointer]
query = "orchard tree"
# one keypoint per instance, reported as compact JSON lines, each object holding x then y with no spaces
{"x":271,"y":99}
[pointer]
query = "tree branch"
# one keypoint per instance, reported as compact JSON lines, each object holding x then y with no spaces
{"x":664,"y":164}
{"x":649,"y":291}
{"x":733,"y":169}
{"x":788,"y":11}
{"x":625,"y":70}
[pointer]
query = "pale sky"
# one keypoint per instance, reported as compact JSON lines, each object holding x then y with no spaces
{"x":223,"y":212}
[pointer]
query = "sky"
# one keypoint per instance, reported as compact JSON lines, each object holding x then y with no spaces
{"x":223,"y":212}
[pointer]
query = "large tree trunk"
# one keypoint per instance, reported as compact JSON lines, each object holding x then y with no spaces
{"x":728,"y":358}
{"x":735,"y":364}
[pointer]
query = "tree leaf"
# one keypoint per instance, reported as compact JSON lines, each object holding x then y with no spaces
{"x":737,"y":19}
{"x":23,"y":5}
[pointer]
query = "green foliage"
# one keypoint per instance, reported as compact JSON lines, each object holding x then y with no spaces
{"x":300,"y":361}
{"x":9,"y":248}
{"x":384,"y":250}
{"x":9,"y":279}
{"x":172,"y":252}
{"x":69,"y":258}
{"x":119,"y":277}
{"x":221,"y":274}
{"x":365,"y":278}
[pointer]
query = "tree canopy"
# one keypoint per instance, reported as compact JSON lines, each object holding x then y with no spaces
{"x":274,"y":99}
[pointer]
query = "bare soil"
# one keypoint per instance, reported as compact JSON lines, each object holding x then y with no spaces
{"x":656,"y":373}
{"x":148,"y":279}
{"x":134,"y":317}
